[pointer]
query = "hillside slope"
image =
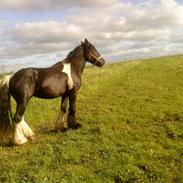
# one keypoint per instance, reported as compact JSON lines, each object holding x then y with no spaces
{"x":132,"y":118}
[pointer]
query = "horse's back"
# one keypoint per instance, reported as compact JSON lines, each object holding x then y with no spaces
{"x":45,"y":83}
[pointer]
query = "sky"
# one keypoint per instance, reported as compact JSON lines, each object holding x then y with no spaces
{"x":41,"y":33}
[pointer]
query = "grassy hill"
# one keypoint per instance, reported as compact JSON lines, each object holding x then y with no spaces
{"x":132,"y":116}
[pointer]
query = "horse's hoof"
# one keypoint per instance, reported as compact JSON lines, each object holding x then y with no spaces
{"x":31,"y":137}
{"x":63,"y":129}
{"x":75,"y":126}
{"x":19,"y":141}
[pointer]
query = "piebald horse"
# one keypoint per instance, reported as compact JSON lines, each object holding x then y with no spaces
{"x":62,"y":79}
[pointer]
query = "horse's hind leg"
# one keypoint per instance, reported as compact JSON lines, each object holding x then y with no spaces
{"x":22,"y":130}
{"x":60,"y":119}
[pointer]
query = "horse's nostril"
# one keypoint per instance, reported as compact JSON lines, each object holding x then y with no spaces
{"x":103,"y":62}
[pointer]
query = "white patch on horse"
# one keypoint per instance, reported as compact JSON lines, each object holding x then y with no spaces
{"x":60,"y":121}
{"x":67,"y":70}
{"x":22,"y":132}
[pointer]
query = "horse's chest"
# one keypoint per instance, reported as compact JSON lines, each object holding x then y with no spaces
{"x":67,"y":70}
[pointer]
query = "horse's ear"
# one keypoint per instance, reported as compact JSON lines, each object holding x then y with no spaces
{"x":82,"y":43}
{"x":86,"y":41}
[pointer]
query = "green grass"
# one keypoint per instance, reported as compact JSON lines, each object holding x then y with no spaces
{"x":132,"y":116}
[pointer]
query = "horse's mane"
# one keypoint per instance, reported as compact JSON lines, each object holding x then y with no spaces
{"x":78,"y":51}
{"x":72,"y":56}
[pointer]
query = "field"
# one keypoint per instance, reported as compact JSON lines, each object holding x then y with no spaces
{"x":132,"y":117}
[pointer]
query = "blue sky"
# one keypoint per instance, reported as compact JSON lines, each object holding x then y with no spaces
{"x":40,"y":33}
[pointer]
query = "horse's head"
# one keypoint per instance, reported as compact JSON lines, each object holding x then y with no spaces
{"x":92,"y":55}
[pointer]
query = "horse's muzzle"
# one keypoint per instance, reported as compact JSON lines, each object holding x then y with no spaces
{"x":100,"y":62}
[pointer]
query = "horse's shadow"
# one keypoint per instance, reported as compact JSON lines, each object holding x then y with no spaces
{"x":7,"y":142}
{"x":50,"y":130}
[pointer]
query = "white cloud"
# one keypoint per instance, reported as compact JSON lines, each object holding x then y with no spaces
{"x":35,"y":5}
{"x":118,"y":29}
{"x":45,"y":32}
{"x":29,"y":49}
{"x":1,"y":36}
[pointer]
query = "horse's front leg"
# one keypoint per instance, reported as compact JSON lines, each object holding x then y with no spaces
{"x":60,"y":119}
{"x":72,"y":111}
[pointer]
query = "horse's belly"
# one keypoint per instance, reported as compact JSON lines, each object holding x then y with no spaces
{"x":52,"y":89}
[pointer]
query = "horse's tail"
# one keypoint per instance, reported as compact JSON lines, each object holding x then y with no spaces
{"x":5,"y":106}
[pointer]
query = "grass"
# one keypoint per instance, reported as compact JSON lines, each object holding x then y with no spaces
{"x":132,"y":118}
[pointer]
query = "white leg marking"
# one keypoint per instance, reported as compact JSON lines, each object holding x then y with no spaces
{"x":27,"y":130}
{"x":60,"y":121}
{"x":22,"y":132}
{"x":67,"y":70}
{"x":19,"y":137}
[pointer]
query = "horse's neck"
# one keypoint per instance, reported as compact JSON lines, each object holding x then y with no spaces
{"x":78,"y":66}
{"x":77,"y":60}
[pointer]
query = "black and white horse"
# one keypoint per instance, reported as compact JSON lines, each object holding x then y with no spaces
{"x":62,"y":79}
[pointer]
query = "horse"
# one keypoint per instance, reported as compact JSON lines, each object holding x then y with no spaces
{"x":62,"y":79}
